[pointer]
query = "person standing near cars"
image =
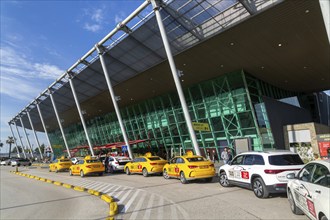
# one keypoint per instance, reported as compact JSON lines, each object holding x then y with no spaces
{"x":230,"y":155}
{"x":106,"y":163}
{"x":224,"y":155}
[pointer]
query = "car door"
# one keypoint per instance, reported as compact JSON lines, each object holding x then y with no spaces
{"x":180,"y":163}
{"x":235,"y":167}
{"x":300,"y":185}
{"x":171,"y":167}
{"x":318,"y":198}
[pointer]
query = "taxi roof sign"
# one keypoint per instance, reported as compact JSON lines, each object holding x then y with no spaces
{"x":148,"y":154}
{"x":189,"y":153}
{"x":88,"y":157}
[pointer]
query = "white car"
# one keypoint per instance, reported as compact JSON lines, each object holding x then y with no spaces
{"x":117,"y":163}
{"x":309,"y":190}
{"x":263,"y":172}
{"x":21,"y":162}
{"x":74,"y":160}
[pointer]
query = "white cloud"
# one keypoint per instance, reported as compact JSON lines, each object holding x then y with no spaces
{"x":21,"y":78}
{"x":13,"y":63}
{"x":93,"y":19}
{"x":92,"y":27}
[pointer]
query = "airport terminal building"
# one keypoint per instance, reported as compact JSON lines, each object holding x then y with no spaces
{"x":195,"y":75}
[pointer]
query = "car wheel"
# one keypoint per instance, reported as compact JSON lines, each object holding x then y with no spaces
{"x":145,"y":172}
{"x":323,"y":218}
{"x":165,"y":175}
{"x":223,"y":180}
{"x":82,"y":173}
{"x":101,"y":174}
{"x":183,"y":178}
{"x":56,"y":170}
{"x":293,"y":206}
{"x":70,"y":172}
{"x":50,"y":170}
{"x":127,"y":171}
{"x":259,"y":188}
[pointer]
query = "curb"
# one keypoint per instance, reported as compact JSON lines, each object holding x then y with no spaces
{"x":113,"y":206}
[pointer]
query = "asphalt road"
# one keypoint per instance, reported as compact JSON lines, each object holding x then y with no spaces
{"x":25,"y":198}
{"x":154,"y":197}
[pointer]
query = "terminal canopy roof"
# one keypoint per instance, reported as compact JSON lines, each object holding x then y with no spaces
{"x":284,"y":43}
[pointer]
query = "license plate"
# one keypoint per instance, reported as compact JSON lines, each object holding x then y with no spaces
{"x":203,"y":167}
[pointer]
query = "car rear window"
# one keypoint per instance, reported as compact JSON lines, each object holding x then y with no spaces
{"x":154,"y":158}
{"x":286,"y":159}
{"x":93,"y":161}
{"x":66,"y":160}
{"x":195,"y":159}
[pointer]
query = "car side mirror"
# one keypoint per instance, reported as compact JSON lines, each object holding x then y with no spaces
{"x":229,"y":163}
{"x":291,"y":176}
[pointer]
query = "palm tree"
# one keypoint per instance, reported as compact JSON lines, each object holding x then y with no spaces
{"x":10,"y":141}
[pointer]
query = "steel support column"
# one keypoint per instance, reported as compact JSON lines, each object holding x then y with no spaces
{"x":35,"y":135}
{"x":12,"y":133}
{"x":114,"y":100}
{"x":44,"y":126}
{"x":174,"y":71}
{"x":26,"y":136}
{"x":80,"y":114}
{"x":20,"y":140}
{"x":59,"y":122}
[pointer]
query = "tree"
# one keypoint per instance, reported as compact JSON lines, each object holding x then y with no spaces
{"x":10,"y":141}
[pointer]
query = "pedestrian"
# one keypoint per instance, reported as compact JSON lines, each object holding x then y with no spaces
{"x":216,"y":158}
{"x":208,"y":155}
{"x":224,"y":155}
{"x":230,"y":156}
{"x":106,"y":163}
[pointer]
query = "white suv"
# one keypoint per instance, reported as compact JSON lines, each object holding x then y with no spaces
{"x":264,"y":172}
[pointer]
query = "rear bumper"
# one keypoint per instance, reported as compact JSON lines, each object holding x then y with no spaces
{"x":201,"y":175}
{"x":277,"y":188}
{"x":156,"y":170}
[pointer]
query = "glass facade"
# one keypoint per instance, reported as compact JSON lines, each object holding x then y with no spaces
{"x":231,"y":105}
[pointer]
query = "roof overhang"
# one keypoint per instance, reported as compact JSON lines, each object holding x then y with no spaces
{"x":285,"y":45}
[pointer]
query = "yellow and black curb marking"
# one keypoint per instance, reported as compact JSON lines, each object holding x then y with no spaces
{"x":113,"y":206}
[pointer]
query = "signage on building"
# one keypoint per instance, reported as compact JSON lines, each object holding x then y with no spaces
{"x":57,"y":146}
{"x":201,"y":126}
{"x":324,"y":144}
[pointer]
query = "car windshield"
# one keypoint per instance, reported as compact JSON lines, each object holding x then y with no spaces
{"x":286,"y":159}
{"x":154,"y":158}
{"x":195,"y":159}
{"x":66,"y":160}
{"x":93,"y":161}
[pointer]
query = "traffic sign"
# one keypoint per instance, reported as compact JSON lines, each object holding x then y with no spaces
{"x":124,"y":148}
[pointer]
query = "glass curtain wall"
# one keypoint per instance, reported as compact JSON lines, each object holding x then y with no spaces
{"x":231,"y":105}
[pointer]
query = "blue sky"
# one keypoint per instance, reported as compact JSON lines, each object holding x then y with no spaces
{"x":42,"y":39}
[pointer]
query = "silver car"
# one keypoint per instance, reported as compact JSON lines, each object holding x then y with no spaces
{"x":20,"y":162}
{"x":117,"y":163}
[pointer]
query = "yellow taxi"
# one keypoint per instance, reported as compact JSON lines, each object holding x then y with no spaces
{"x":60,"y":164}
{"x":189,"y":167}
{"x":146,"y":165}
{"x":86,"y":166}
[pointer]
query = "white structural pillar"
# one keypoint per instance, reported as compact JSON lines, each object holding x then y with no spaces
{"x":20,"y":140}
{"x":114,"y":99}
{"x":35,"y":135}
{"x":44,"y":126}
{"x":80,"y":114}
{"x":59,"y":122}
{"x":174,"y":71}
{"x":12,"y":133}
{"x":26,"y":136}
